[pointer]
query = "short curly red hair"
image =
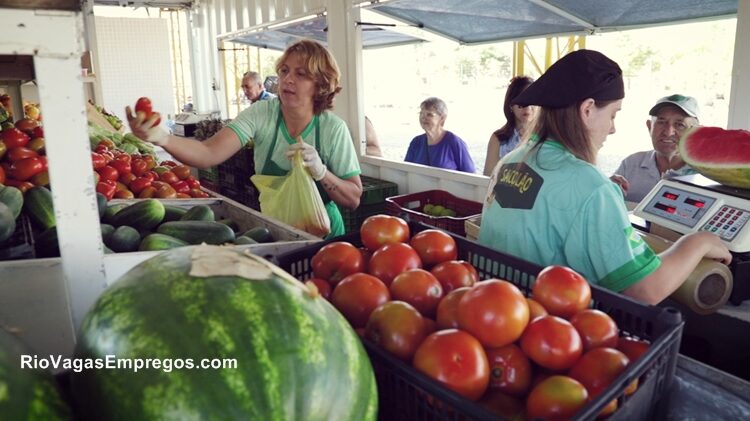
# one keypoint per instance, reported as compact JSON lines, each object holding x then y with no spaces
{"x":322,"y":68}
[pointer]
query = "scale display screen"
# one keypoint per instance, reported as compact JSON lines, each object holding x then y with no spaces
{"x":680,"y":206}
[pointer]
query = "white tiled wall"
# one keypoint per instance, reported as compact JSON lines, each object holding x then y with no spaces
{"x":134,"y":61}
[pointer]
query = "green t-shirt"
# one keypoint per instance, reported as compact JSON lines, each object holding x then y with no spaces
{"x":551,"y":208}
{"x":258,"y":122}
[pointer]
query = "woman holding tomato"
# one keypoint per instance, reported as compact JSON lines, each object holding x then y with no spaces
{"x":308,"y":82}
{"x":548,"y":203}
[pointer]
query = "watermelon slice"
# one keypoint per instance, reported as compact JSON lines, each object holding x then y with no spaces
{"x":721,"y":155}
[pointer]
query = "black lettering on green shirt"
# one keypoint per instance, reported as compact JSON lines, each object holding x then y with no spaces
{"x":517,"y":186}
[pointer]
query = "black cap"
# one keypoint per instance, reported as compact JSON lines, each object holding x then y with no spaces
{"x":579,"y":75}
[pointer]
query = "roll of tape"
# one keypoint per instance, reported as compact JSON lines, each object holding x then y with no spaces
{"x":706,"y":289}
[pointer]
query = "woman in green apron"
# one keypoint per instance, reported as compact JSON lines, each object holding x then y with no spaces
{"x":308,"y":82}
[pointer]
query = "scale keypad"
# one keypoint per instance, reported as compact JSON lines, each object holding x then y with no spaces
{"x":727,"y":222}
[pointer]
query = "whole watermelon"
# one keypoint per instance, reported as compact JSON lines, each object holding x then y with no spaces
{"x":721,"y":155}
{"x":26,"y":393}
{"x":297,"y":358}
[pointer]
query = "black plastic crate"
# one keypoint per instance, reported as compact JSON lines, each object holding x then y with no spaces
{"x":20,"y":245}
{"x":376,"y":191}
{"x":404,"y":393}
{"x":247,"y":195}
{"x":353,"y":218}
{"x":372,"y":202}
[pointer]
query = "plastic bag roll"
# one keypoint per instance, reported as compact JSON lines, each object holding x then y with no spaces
{"x":706,"y":289}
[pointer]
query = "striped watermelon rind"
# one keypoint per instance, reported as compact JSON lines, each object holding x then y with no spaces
{"x":718,"y":154}
{"x":25,"y":393}
{"x":297,"y":356}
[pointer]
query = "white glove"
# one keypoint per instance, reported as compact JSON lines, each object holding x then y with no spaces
{"x":143,"y":130}
{"x":310,"y":158}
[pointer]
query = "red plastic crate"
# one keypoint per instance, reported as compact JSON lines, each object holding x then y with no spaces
{"x":404,"y":393}
{"x":411,"y":207}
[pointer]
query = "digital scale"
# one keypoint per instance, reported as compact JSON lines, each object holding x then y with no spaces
{"x":185,"y":123}
{"x":694,"y":203}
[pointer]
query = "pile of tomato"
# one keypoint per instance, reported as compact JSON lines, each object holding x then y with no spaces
{"x":126,"y":176}
{"x":22,"y":161}
{"x":540,"y":357}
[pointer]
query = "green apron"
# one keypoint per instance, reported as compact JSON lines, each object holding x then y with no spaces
{"x":270,"y":168}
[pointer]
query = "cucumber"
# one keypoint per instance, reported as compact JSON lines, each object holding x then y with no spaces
{"x":107,"y":230}
{"x":196,"y":232}
{"x":124,"y":239}
{"x":38,"y":206}
{"x":244,"y":240}
{"x":13,"y":199}
{"x":231,"y":224}
{"x":7,"y":222}
{"x":142,"y":215}
{"x":173,"y":213}
{"x":111,"y":211}
{"x":198,"y":213}
{"x":156,"y":241}
{"x":101,"y":204}
{"x":260,"y":234}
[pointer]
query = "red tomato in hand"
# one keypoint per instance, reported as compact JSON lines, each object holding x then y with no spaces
{"x":434,"y":246}
{"x":397,"y":327}
{"x":596,"y":328}
{"x":143,"y":105}
{"x":379,"y":230}
{"x":556,"y":398}
{"x":447,"y":317}
{"x":337,"y":260}
{"x":418,"y":288}
{"x":357,"y":296}
{"x":552,"y":342}
{"x":510,"y":370}
{"x":390,"y":260}
{"x":562,"y":291}
{"x":455,"y":274}
{"x":457,"y":360}
{"x":494,"y":311}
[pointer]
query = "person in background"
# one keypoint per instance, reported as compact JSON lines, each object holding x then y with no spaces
{"x":638,"y":173}
{"x":438,"y":147}
{"x":372,"y":144}
{"x":253,"y":88}
{"x":548,"y":203}
{"x":308,"y":83}
{"x":518,"y":121}
{"x":272,"y":84}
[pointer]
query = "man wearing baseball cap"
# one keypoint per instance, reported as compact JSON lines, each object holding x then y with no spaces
{"x":670,"y":117}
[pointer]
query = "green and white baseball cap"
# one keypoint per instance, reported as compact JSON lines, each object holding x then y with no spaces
{"x":687,"y":104}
